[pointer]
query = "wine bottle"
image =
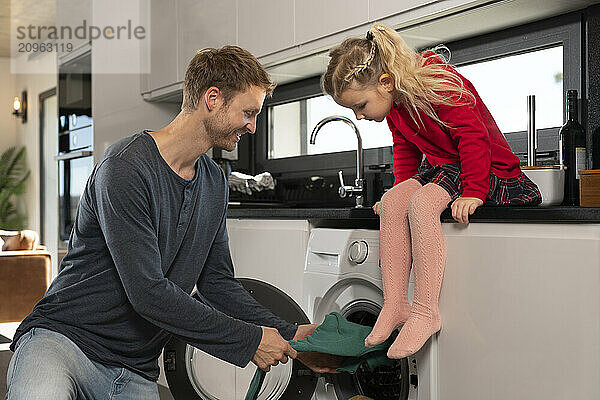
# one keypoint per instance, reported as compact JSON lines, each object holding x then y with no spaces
{"x":573,"y":151}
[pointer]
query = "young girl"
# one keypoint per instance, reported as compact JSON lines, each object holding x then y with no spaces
{"x":447,"y":150}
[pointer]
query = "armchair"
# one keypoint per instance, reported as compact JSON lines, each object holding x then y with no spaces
{"x":24,"y":278}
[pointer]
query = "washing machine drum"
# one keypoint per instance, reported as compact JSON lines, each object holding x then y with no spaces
{"x":382,"y":383}
{"x":195,"y":375}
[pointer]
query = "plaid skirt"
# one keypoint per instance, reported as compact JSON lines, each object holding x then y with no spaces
{"x":517,"y":191}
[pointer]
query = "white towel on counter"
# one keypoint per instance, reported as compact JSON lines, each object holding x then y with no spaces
{"x":248,"y":184}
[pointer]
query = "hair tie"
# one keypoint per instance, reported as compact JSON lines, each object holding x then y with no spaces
{"x":370,"y":35}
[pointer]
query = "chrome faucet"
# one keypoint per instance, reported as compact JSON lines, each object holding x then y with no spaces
{"x":358,"y":187}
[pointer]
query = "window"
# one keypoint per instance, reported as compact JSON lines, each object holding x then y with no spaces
{"x":302,"y":116}
{"x":541,"y":58}
{"x":288,"y":118}
{"x":504,"y":84}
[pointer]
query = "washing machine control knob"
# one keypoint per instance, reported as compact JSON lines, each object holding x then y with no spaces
{"x":358,"y":251}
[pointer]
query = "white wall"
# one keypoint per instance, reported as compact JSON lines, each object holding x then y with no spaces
{"x":28,"y":134}
{"x":14,"y":133}
{"x":49,"y":232}
{"x":119,"y":110}
{"x":8,"y":122}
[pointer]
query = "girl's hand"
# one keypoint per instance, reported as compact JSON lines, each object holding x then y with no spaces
{"x":377,"y":208}
{"x":463,"y":207}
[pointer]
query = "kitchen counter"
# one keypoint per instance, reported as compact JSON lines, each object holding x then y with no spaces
{"x":482,"y":214}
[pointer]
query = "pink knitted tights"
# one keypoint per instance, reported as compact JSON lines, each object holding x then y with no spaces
{"x":410,"y":213}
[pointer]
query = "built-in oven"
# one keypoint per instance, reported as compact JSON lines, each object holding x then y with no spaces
{"x":74,"y":168}
{"x":75,"y":138}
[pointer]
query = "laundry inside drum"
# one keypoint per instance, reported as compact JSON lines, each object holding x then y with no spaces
{"x":381,"y":383}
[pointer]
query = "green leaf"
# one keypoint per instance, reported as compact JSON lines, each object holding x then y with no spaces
{"x":16,"y":167}
{"x":13,"y":175}
{"x":16,"y":222}
{"x":5,"y":160}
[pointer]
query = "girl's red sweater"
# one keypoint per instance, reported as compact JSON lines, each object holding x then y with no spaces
{"x":473,"y":139}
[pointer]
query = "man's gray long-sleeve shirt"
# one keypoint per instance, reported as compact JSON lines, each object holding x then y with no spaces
{"x":143,"y":238}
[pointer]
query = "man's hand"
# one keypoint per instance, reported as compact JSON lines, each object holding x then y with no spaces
{"x":463,"y":207}
{"x":318,"y":362}
{"x":272,"y":349}
{"x":377,"y":208}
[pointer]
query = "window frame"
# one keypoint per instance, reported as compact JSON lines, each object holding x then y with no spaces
{"x":564,"y":29}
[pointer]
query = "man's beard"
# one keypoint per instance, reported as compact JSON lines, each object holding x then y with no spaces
{"x":219,"y":132}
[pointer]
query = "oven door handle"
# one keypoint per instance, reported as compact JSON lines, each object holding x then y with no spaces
{"x":73,"y":155}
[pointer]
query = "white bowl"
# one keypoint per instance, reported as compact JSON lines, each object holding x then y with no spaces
{"x":551,"y":182}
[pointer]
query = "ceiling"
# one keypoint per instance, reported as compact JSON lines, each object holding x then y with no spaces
{"x":4,"y":28}
{"x":23,"y":12}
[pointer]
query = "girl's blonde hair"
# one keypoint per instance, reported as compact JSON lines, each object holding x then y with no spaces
{"x":419,"y":87}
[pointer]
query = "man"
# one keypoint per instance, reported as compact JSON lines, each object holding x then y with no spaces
{"x":151,"y":226}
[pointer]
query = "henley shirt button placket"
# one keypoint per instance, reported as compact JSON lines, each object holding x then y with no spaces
{"x":183,"y":216}
{"x":184,"y":209}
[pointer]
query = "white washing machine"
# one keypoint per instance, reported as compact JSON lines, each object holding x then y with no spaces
{"x":273,"y":276}
{"x":343,"y":274}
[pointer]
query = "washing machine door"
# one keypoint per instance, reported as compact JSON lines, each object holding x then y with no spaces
{"x":360,"y":301}
{"x":389,"y":382}
{"x":195,"y":375}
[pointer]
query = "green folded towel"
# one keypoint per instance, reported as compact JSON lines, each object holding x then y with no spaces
{"x":336,"y":335}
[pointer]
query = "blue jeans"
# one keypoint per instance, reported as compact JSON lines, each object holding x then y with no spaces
{"x":47,"y":365}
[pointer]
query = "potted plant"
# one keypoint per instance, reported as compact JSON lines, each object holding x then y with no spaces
{"x":13,"y":174}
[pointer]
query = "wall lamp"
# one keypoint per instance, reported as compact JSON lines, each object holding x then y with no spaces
{"x":20,"y":106}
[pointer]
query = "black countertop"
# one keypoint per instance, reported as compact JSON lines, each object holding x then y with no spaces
{"x":482,"y":214}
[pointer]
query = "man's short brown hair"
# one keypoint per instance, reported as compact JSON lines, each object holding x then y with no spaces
{"x":230,"y":68}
